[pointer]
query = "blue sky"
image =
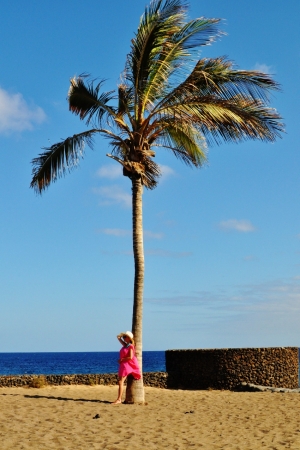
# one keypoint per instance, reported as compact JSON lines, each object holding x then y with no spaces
{"x":222,"y":244}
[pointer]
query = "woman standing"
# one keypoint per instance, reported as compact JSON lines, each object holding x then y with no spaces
{"x":128,"y":364}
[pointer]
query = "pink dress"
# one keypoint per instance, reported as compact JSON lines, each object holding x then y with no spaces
{"x":130,"y":367}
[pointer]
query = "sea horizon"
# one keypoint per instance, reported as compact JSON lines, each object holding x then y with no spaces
{"x":68,"y":363}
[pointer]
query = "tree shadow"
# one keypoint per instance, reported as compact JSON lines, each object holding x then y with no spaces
{"x":65,"y":399}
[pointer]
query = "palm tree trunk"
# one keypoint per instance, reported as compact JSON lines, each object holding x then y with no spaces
{"x":135,"y":389}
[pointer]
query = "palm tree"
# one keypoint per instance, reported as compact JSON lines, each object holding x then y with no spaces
{"x":167,"y":98}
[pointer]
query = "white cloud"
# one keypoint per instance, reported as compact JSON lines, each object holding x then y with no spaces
{"x":263,"y":68}
{"x":150,"y":235}
{"x":110,"y":171}
{"x":16,"y":114}
{"x":250,"y":258}
{"x":115,"y":232}
{"x":276,"y":298}
{"x":119,"y":232}
{"x":166,"y":171}
{"x":242,"y":226}
{"x":273,"y":296}
{"x":265,"y":314}
{"x":113,"y":194}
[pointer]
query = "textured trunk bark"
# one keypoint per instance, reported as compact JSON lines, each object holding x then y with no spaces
{"x":135,"y":389}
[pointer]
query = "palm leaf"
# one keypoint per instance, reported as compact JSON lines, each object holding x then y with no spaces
{"x":188,"y":142}
{"x":217,"y":77}
{"x":125,"y":107}
{"x":126,"y":100}
{"x":161,"y":19}
{"x":57,"y":159}
{"x":185,"y":140}
{"x":234,"y":120}
{"x":86,"y":100}
{"x":196,"y":33}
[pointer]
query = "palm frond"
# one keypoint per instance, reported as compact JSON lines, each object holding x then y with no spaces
{"x":126,"y":100}
{"x":150,"y":173}
{"x":194,"y":34}
{"x":185,"y":140}
{"x":217,"y":77}
{"x":86,"y":100}
{"x":57,"y":159}
{"x":189,"y":143}
{"x":197,"y":32}
{"x":125,"y":106}
{"x":235,"y":119}
{"x":161,"y":20}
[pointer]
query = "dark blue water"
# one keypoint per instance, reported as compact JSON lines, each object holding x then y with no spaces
{"x":72,"y":363}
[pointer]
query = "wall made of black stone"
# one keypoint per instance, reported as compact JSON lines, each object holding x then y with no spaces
{"x":154,"y":379}
{"x":227,"y":368}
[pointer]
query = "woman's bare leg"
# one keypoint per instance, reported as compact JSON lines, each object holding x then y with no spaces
{"x":120,"y":391}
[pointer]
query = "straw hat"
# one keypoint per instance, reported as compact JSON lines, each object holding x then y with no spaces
{"x":129,"y":334}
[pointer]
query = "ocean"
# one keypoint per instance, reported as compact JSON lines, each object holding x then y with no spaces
{"x":73,"y":363}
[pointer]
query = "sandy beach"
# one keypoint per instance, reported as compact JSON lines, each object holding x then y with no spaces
{"x":62,"y":418}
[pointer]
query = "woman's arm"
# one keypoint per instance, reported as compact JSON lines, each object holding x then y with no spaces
{"x":119,"y":337}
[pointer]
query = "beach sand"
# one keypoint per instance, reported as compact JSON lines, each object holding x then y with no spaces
{"x":62,"y":418}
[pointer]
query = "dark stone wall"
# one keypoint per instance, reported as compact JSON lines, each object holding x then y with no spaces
{"x":228,"y":368}
{"x":154,"y":379}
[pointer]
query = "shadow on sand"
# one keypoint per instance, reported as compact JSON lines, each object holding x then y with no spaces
{"x":65,"y":399}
